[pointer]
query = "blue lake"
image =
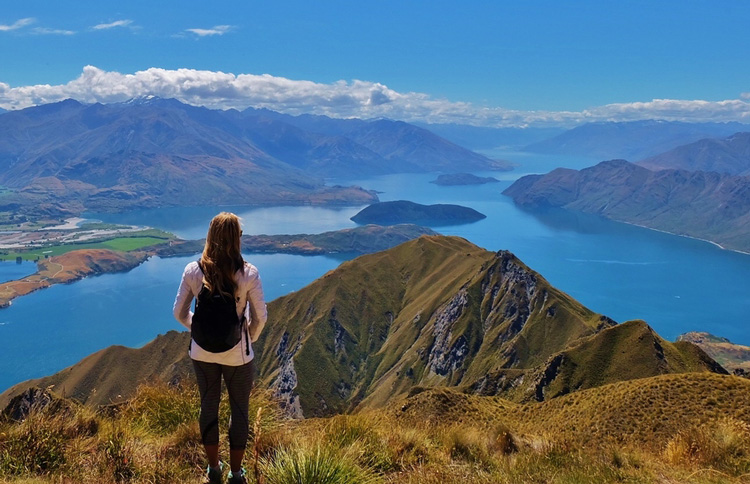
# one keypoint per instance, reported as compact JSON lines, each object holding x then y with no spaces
{"x":675,"y":283}
{"x":11,"y":270}
{"x":56,"y":327}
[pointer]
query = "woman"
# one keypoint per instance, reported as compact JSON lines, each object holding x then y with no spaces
{"x":221,"y":275}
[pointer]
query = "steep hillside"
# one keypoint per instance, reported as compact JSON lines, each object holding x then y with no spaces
{"x":433,"y":312}
{"x":436,"y":311}
{"x":113,"y":374}
{"x":705,"y":205}
{"x":726,"y":155}
{"x":733,"y":357}
{"x":632,"y":140}
{"x":623,"y":352}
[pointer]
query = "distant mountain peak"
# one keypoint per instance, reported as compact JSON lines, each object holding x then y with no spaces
{"x":633,"y":140}
{"x":723,"y":155}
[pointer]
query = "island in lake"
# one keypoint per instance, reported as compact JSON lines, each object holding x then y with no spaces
{"x":406,"y":212}
{"x":454,"y":179}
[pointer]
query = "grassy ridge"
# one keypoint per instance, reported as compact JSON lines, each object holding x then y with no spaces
{"x":624,"y":352}
{"x":604,"y":435}
{"x":440,"y":311}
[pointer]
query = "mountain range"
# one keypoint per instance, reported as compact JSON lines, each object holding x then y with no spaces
{"x":433,"y":312}
{"x":487,"y":138}
{"x":725,"y":155}
{"x":69,"y":156}
{"x":633,"y":140}
{"x":705,"y":205}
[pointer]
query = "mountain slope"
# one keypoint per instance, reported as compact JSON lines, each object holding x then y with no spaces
{"x":727,"y":155}
{"x":632,"y":140}
{"x":114,"y":373}
{"x":623,"y":352}
{"x":706,"y":205}
{"x":147,"y":153}
{"x":420,"y":149}
{"x":154,"y":152}
{"x":433,"y":312}
{"x":400,"y":146}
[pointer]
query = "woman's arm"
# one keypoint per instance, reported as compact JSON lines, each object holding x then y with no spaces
{"x":257,"y":304}
{"x":181,"y":308}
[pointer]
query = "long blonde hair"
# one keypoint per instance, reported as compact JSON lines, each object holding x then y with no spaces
{"x":222,"y":256}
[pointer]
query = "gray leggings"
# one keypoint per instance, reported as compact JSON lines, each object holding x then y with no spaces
{"x":239,"y":381}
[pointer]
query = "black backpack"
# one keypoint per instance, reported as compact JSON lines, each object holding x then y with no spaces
{"x":216,"y":327}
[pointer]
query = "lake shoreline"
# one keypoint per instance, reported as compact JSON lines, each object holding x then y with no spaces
{"x":75,"y":265}
{"x":716,"y":244}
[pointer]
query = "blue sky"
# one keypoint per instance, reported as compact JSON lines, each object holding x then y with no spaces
{"x":480,"y":62}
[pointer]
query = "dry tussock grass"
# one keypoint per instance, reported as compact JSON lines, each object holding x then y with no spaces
{"x":154,"y":438}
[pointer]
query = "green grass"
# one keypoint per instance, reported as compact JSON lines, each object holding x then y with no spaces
{"x":121,"y":244}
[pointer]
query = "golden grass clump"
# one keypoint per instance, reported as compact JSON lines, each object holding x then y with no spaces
{"x":159,"y":408}
{"x":319,"y":465}
{"x":723,"y":445}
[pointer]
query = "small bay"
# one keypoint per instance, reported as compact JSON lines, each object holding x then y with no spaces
{"x":12,"y":270}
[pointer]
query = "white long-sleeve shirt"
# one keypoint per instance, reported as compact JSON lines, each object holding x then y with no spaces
{"x":250,"y":303}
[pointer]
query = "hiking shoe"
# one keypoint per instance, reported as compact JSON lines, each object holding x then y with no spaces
{"x":239,"y":478}
{"x":215,"y":476}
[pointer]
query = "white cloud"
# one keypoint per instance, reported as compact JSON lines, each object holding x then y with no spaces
{"x":111,"y":25}
{"x":362,"y":99}
{"x":215,"y":30}
{"x":46,"y":31}
{"x":17,"y":24}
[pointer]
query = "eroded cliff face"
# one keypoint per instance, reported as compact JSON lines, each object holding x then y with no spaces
{"x":447,"y":355}
{"x":285,"y":384}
